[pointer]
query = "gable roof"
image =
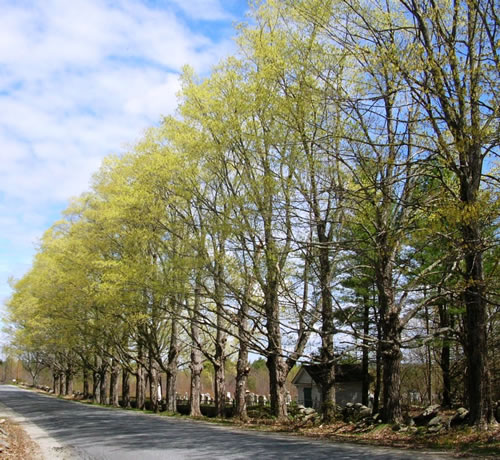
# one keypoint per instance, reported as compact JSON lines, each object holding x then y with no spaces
{"x":343,"y":372}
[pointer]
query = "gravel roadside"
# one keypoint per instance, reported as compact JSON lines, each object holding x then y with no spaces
{"x":22,"y":440}
{"x":15,"y":444}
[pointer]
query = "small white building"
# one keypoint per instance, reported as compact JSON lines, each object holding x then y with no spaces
{"x":348,"y":385}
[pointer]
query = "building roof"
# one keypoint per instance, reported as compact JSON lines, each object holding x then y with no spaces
{"x":343,"y":372}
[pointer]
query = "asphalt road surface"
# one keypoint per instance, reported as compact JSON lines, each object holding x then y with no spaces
{"x":78,"y":431}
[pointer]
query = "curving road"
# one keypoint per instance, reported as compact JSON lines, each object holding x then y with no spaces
{"x":76,"y":431}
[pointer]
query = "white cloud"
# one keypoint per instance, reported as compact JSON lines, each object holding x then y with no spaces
{"x":79,"y":80}
{"x":209,"y":10}
{"x":159,"y":98}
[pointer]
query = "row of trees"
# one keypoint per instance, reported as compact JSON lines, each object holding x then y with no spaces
{"x":332,"y":186}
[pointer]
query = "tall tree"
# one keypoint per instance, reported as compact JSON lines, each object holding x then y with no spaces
{"x":454,"y":77}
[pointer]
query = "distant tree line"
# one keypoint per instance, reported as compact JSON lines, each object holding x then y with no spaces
{"x":331,"y":188}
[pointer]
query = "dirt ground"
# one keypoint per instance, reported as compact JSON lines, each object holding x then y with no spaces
{"x":15,"y":444}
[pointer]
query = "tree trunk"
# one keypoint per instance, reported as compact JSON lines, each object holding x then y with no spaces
{"x":196,"y":368}
{"x":327,"y":357}
{"x":114,"y":395}
{"x":196,"y":358}
{"x":476,"y":350}
{"x":62,"y":382}
{"x":478,"y":376}
{"x":242,"y":371}
{"x":391,"y":340}
{"x":96,"y":388}
{"x":86,"y":385}
{"x":220,"y":386}
{"x":242,"y":368}
{"x":275,"y":363}
{"x":365,"y":354}
{"x":140,"y":388}
{"x":277,"y":378}
{"x":125,"y":388}
{"x":219,"y":361}
{"x":428,"y":356}
{"x":391,"y":357}
{"x":55,"y":377}
{"x":173,"y":355}
{"x":154,"y":383}
{"x":104,"y":382}
{"x":378,"y":366}
{"x":444,"y":322}
{"x":69,"y":381}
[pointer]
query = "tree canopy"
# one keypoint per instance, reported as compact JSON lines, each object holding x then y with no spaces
{"x":332,"y":189}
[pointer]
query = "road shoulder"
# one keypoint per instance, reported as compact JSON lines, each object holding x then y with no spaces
{"x":48,"y":448}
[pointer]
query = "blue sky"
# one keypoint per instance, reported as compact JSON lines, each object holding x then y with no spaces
{"x":79,"y":80}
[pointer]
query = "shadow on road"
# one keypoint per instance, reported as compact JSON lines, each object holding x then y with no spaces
{"x":105,"y":433}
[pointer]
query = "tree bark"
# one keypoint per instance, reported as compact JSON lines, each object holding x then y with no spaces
{"x":104,"y":383}
{"x":327,"y":357}
{"x":242,"y":371}
{"x":140,"y":388}
{"x":62,"y":382}
{"x":114,"y":395}
{"x":273,"y":259}
{"x":391,"y":376}
{"x":219,"y":361}
{"x":154,"y":382}
{"x":242,"y":368}
{"x":55,"y":386}
{"x":478,"y":376}
{"x":86,"y":385}
{"x":444,"y":322}
{"x":378,"y":371}
{"x":96,"y":384}
{"x":428,"y":357}
{"x":69,"y":381}
{"x":391,"y":340}
{"x":196,"y":357}
{"x":276,"y":365}
{"x":173,"y":356}
{"x":220,"y":386}
{"x":365,"y":353}
{"x":125,"y":388}
{"x":196,"y":369}
{"x":278,"y":372}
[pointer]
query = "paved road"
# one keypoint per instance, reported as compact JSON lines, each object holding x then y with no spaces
{"x":88,"y":432}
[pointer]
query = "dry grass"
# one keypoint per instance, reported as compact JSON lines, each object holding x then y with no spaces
{"x":21,"y":447}
{"x":464,"y":441}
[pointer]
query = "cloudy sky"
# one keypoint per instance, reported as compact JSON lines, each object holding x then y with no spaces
{"x":81,"y":79}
